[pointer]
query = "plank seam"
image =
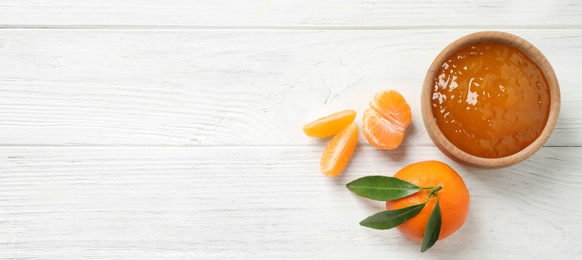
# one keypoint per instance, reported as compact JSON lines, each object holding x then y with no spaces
{"x":285,"y":28}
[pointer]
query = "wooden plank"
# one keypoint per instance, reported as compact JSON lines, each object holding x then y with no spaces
{"x":260,"y":202}
{"x":205,"y":88}
{"x":290,"y":14}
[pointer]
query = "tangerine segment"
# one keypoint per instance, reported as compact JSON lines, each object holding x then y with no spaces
{"x":453,"y":197}
{"x":330,"y":125}
{"x":380,"y":132}
{"x":385,"y":122}
{"x":338,"y":152}
{"x":393,"y":107}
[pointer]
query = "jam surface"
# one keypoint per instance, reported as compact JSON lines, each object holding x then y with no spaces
{"x":490,"y":100}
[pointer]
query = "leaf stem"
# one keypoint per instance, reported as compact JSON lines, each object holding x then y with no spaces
{"x":434,"y":191}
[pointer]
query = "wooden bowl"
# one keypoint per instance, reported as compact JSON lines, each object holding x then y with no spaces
{"x":461,"y":156}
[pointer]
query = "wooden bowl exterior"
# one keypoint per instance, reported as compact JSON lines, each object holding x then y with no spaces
{"x":459,"y":155}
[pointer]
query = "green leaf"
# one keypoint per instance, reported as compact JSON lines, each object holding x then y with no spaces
{"x":382,"y":188}
{"x":433,"y":228}
{"x":391,"y":218}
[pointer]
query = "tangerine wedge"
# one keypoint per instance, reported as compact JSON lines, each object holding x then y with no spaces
{"x":329,"y":125}
{"x":339,"y":151}
{"x":385,"y":121}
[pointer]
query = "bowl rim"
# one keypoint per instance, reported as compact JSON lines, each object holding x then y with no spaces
{"x":456,"y":153}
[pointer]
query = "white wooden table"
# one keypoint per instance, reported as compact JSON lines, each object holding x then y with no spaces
{"x":172,"y":129}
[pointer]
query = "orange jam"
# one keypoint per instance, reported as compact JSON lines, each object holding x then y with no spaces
{"x":490,"y":100}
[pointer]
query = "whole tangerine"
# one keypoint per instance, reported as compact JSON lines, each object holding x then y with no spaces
{"x":453,"y":198}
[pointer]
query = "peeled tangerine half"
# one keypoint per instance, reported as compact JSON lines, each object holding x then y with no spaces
{"x":386,"y":120}
{"x":339,"y":151}
{"x":329,"y":125}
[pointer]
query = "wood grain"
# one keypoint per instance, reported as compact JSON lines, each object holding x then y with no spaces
{"x":261,"y":202}
{"x":208,"y":88}
{"x":170,"y":129}
{"x":280,"y":14}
